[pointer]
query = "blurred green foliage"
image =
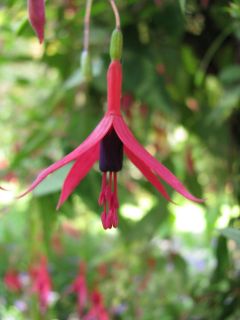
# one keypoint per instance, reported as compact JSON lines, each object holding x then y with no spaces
{"x":181,"y":97}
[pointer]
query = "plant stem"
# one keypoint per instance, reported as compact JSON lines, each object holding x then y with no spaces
{"x":116,"y":13}
{"x":87,"y":24}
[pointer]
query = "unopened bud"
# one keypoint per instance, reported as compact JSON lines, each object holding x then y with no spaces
{"x":116,"y":45}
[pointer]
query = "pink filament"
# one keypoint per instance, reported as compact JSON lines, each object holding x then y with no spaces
{"x":109,"y":200}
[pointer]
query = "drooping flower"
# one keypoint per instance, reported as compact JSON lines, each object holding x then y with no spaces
{"x":36,"y":13}
{"x":107,"y":143}
{"x":12,"y":281}
{"x":79,"y":287}
{"x":97,"y":311}
{"x":42,"y":284}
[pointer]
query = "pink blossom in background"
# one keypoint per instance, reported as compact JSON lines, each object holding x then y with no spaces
{"x":97,"y":311}
{"x":12,"y":281}
{"x":79,"y":287}
{"x":41,"y":283}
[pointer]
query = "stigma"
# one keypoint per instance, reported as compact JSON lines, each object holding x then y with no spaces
{"x":111,"y":160}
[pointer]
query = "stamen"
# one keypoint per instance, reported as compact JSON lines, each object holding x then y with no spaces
{"x":116,"y":204}
{"x":109,"y":199}
{"x":114,"y":219}
{"x":110,"y":180}
{"x":104,"y":217}
{"x":101,"y":198}
{"x":109,"y":220}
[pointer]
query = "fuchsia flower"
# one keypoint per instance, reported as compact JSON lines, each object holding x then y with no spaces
{"x":36,"y":12}
{"x":107,"y":143}
{"x":12,"y":281}
{"x":97,"y":311}
{"x":79,"y":286}
{"x":42,"y":284}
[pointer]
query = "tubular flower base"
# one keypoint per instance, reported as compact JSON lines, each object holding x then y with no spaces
{"x":107,"y":143}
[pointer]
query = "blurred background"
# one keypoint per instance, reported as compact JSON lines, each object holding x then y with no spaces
{"x":181,"y":98}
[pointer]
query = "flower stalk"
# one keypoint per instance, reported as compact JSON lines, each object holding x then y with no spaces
{"x":86,"y":66}
{"x":87,"y":25}
{"x":116,"y":14}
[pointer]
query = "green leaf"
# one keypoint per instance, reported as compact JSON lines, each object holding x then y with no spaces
{"x":74,"y":80}
{"x":222,"y":258}
{"x":230,"y":74}
{"x":53,"y":182}
{"x":47,"y":218}
{"x":182,"y":4}
{"x":231,"y":233}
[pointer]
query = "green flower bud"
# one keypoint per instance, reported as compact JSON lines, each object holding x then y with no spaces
{"x":116,"y":45}
{"x":86,"y":66}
